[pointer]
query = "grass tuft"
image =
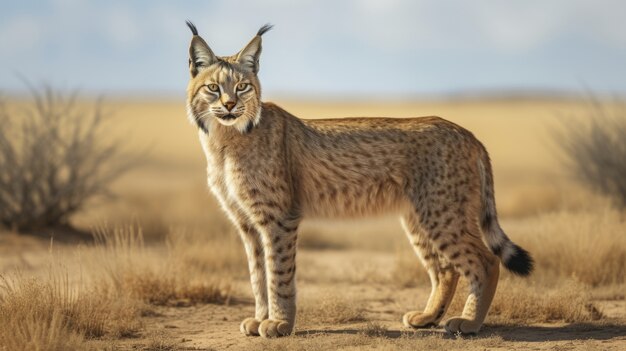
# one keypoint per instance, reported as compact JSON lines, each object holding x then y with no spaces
{"x":158,"y":278}
{"x":329,"y":309}
{"x":48,"y":314}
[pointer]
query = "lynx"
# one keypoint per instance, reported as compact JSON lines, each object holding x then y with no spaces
{"x":270,"y":169}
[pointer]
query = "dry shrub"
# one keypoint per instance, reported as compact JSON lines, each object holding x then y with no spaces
{"x":53,"y":160}
{"x":48,"y":314}
{"x":329,"y":309}
{"x":595,"y":148}
{"x":157,"y":276}
{"x":519,"y":302}
{"x":589,"y":246}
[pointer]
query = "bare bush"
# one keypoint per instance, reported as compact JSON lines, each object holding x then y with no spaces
{"x":53,"y":160}
{"x":595,"y":148}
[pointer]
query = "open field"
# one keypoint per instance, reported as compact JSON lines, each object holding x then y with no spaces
{"x":168,"y":272}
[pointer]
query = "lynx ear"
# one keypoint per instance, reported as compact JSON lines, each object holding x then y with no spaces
{"x":200,"y":54}
{"x":248,"y":57}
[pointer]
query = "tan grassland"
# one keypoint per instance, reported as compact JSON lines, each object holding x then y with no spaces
{"x":166,"y":271}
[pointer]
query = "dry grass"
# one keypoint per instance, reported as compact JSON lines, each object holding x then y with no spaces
{"x":329,"y":309}
{"x":32,"y":317}
{"x":587,"y":245}
{"x":120,"y":275}
{"x":517,"y":302}
{"x":49,"y":314}
{"x":160,"y":276}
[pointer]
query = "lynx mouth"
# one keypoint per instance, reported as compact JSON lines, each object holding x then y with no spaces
{"x":228,"y":117}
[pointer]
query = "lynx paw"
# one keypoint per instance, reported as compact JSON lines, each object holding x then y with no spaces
{"x":462,"y":325}
{"x":250,"y":327}
{"x":415,"y":319}
{"x":271,"y":328}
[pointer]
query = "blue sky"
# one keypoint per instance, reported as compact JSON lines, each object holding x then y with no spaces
{"x":321,"y":48}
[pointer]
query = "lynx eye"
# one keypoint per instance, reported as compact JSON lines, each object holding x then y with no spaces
{"x":242,"y":86}
{"x":213,"y":87}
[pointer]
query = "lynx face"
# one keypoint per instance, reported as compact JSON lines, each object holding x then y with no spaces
{"x":224,"y":89}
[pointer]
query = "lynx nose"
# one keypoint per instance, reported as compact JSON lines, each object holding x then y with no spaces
{"x":229,"y":105}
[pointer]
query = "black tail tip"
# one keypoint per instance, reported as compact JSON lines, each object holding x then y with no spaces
{"x":191,"y":26}
{"x":520,"y":262}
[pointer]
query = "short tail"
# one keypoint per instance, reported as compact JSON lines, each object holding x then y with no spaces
{"x":514,"y":258}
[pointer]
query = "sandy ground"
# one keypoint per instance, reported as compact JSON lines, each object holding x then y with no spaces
{"x":211,"y":327}
{"x":216,"y":327}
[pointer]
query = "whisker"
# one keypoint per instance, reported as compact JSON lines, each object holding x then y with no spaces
{"x":203,"y":115}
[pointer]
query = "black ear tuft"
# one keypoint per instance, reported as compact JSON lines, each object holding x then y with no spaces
{"x":264,"y":29}
{"x":193,"y":28}
{"x":200,"y":54}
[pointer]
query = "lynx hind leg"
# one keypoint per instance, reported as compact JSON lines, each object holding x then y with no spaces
{"x":443,"y":278}
{"x":483,"y":284}
{"x":455,"y":237}
{"x":462,"y":246}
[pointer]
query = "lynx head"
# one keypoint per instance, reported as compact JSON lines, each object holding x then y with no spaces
{"x":224,"y":88}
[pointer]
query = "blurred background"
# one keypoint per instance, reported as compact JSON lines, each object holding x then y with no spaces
{"x":359,"y":49}
{"x":531,"y":79}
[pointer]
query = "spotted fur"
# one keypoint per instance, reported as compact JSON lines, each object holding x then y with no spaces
{"x":270,"y":169}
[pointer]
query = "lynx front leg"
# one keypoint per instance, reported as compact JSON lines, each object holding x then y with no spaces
{"x":253,"y":245}
{"x":256,"y":264}
{"x":279,"y":241}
